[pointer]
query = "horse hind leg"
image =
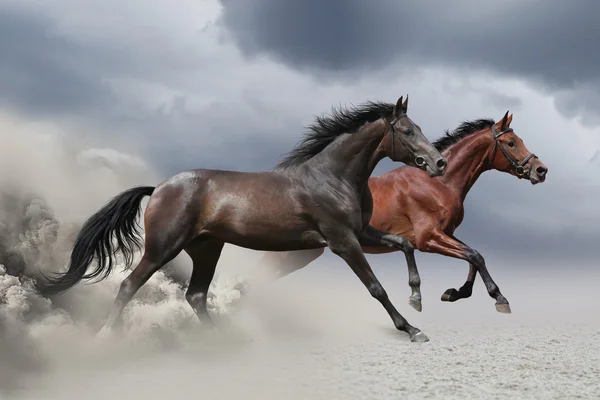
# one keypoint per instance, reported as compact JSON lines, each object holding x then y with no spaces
{"x":160,"y":247}
{"x":205,"y":254}
{"x":152,"y":260}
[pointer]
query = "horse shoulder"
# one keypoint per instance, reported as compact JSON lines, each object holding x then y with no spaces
{"x":390,"y":205}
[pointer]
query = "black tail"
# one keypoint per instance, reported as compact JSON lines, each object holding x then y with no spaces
{"x":117,"y":219}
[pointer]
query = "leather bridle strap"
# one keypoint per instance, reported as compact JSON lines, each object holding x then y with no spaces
{"x":518,"y":167}
{"x":393,"y":131}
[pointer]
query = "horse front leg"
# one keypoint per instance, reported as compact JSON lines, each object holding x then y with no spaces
{"x":440,"y":243}
{"x":465,"y":291}
{"x":371,"y":236}
{"x":347,"y":246}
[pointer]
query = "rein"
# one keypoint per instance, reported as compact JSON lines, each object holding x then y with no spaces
{"x":518,"y":167}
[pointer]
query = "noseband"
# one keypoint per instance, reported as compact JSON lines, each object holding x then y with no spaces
{"x":518,"y":167}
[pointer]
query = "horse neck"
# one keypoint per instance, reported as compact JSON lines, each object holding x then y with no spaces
{"x":354,"y":157}
{"x":467,"y":160}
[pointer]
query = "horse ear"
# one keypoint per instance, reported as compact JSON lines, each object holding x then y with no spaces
{"x":509,"y":120}
{"x":398,"y":106}
{"x":503,"y":124}
{"x":405,"y":105}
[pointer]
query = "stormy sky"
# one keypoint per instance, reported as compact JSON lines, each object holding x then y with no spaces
{"x":231,"y":84}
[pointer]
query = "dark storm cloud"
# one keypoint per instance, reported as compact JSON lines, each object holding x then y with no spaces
{"x":43,"y":72}
{"x":549,"y":42}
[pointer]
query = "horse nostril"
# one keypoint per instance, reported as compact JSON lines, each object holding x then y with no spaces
{"x":441,"y":164}
{"x":420,"y":161}
{"x":541,"y":171}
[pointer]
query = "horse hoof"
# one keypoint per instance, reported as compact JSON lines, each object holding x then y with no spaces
{"x":450,"y":295}
{"x":503,"y":308}
{"x":419,"y":337}
{"x":415,"y":303}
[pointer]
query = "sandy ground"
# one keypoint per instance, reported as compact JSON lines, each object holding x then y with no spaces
{"x":320,"y":336}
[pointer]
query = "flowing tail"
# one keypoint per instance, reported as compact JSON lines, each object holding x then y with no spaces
{"x":116,"y":220}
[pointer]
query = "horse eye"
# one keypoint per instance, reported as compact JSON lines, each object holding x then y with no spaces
{"x":407,"y":131}
{"x":511,"y":144}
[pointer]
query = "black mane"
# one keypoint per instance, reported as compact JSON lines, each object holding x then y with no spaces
{"x":465,"y":129}
{"x":326,"y":129}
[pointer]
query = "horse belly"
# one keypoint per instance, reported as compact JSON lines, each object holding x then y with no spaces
{"x":270,"y":239}
{"x":252,"y":224}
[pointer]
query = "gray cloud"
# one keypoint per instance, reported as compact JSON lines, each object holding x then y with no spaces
{"x":551,"y":43}
{"x":492,"y":230}
{"x":44,"y":72}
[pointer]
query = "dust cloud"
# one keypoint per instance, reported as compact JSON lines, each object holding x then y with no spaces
{"x":49,"y":184}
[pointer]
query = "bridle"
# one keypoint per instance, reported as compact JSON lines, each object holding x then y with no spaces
{"x":393,"y":131}
{"x":519,"y":168}
{"x":420,"y":161}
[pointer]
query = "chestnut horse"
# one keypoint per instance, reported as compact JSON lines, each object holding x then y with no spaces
{"x":427,"y":211}
{"x":318,"y":196}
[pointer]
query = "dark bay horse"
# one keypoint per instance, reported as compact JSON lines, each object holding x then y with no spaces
{"x":317,"y":196}
{"x":427,"y":211}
